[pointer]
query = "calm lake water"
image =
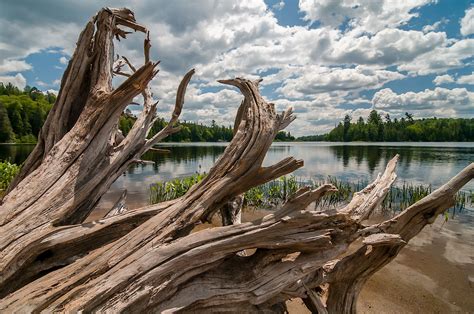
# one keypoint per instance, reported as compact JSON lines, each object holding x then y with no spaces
{"x":420,"y":163}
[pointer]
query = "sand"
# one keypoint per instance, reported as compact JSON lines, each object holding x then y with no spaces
{"x":434,"y":273}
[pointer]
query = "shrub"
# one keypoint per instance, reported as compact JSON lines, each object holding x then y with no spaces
{"x":7,"y":172}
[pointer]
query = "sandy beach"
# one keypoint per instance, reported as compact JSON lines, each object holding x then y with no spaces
{"x":434,"y":273}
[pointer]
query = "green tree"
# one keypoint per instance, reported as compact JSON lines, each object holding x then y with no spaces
{"x":6,"y":131}
{"x":397,"y":130}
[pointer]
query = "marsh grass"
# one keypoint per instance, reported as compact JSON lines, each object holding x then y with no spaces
{"x":165,"y":191}
{"x":276,"y":192}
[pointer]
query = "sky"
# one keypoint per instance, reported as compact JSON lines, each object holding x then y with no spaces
{"x":325,"y":58}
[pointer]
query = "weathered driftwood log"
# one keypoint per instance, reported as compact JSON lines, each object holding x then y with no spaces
{"x":146,"y":259}
{"x":83,"y":159}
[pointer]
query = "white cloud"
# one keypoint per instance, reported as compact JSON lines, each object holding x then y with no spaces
{"x":387,"y":47}
{"x":364,"y":15}
{"x":435,"y":26}
{"x":17,"y":80}
{"x":443,"y":79}
{"x":41,"y":83}
{"x":440,"y":102}
{"x":441,"y":59}
{"x":314,"y":116}
{"x":466,"y":79}
{"x":467,"y":22}
{"x":316,"y":70}
{"x":311,"y":80}
{"x":19,"y":40}
{"x":278,"y":6}
{"x":9,"y":66}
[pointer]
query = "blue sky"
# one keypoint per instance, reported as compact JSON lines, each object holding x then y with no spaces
{"x":325,"y":58}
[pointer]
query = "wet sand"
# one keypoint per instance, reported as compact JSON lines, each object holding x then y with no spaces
{"x":434,"y":273}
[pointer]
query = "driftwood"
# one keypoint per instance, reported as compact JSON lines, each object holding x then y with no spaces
{"x":146,"y":259}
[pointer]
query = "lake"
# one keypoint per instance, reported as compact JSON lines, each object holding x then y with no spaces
{"x":434,"y":272}
{"x":420,"y":163}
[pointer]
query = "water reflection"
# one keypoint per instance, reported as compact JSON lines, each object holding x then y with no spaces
{"x":15,"y":153}
{"x":421,"y":164}
{"x":376,"y":155}
{"x":427,"y":163}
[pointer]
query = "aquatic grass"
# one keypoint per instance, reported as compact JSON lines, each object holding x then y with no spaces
{"x":165,"y":191}
{"x":276,"y":192}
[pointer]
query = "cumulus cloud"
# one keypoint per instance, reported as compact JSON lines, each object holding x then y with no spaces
{"x":41,"y":83}
{"x":312,"y":80}
{"x":435,"y":26}
{"x":466,"y":79}
{"x":443,"y":79}
{"x":9,"y":66}
{"x":356,"y":46}
{"x":278,"y":6}
{"x":467,"y":22}
{"x":363,"y":15}
{"x":441,"y":102}
{"x":441,"y":59}
{"x":17,"y":80}
{"x":387,"y":47}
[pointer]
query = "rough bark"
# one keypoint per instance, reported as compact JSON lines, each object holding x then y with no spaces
{"x":231,"y":213}
{"x":147,"y":259}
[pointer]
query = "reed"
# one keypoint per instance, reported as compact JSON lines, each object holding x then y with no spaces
{"x":165,"y":191}
{"x":276,"y":192}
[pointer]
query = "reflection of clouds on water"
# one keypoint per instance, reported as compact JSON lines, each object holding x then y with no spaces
{"x":427,"y":163}
{"x":421,"y":163}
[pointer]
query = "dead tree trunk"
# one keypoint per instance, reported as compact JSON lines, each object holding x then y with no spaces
{"x":146,"y":259}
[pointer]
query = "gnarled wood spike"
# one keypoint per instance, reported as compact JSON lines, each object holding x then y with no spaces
{"x":170,"y":128}
{"x":93,"y":50}
{"x":82,"y":164}
{"x":364,"y":202}
{"x":347,"y":276}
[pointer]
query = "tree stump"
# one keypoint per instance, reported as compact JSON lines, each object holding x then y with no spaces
{"x":146,"y":260}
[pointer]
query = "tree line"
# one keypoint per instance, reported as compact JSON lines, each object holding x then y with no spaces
{"x":380,"y":128}
{"x":192,"y":131}
{"x":22,"y":113}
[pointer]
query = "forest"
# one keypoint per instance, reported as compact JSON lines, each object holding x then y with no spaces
{"x":22,"y":114}
{"x":405,"y":129}
{"x":192,"y":131}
